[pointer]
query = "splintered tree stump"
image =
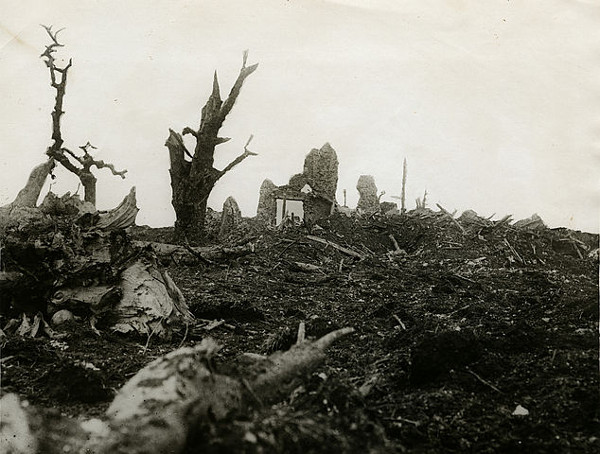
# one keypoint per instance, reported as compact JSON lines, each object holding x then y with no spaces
{"x":28,"y":196}
{"x":157,"y":409}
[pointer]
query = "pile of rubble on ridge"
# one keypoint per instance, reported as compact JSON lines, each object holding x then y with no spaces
{"x":426,"y":232}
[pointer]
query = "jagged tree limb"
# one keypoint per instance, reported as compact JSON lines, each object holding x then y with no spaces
{"x":87,"y":162}
{"x":237,"y":87}
{"x":240,"y":158}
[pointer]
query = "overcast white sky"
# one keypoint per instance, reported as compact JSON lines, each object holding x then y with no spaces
{"x":493,"y":103}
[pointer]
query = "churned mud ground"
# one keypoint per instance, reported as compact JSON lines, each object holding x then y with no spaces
{"x":478,"y":341}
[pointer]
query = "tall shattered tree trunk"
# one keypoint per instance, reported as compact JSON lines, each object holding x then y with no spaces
{"x":403,"y":196}
{"x":193,"y":176}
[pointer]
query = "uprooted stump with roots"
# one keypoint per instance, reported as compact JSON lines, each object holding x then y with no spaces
{"x":66,"y":256}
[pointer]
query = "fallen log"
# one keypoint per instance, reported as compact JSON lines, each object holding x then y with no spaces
{"x":144,"y":300}
{"x":277,"y":372}
{"x":190,"y":255}
{"x":157,"y":409}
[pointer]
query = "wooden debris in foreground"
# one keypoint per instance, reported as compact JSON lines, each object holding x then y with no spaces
{"x":122,"y":216}
{"x":514,"y":251}
{"x":301,"y":333}
{"x":157,"y":409}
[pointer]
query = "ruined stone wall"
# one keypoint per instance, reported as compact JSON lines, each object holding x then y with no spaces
{"x":367,"y":190}
{"x":321,"y":170}
{"x":316,"y":208}
{"x":298,"y":181}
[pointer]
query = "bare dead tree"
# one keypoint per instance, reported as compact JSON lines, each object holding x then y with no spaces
{"x":193,"y":175}
{"x":80,"y":165}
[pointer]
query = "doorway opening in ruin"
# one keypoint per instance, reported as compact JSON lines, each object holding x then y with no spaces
{"x":291,"y":209}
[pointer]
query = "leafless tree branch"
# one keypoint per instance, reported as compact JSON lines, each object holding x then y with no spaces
{"x":240,"y":158}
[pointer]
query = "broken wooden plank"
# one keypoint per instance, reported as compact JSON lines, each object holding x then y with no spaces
{"x":122,"y":216}
{"x":304,"y":267}
{"x":394,"y":242}
{"x":513,"y":250}
{"x":400,"y":322}
{"x":301,"y":333}
{"x":451,"y":217}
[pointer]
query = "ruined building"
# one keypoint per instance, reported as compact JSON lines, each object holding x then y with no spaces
{"x":309,"y":195}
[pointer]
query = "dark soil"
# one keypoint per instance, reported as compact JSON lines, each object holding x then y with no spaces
{"x":453,"y":332}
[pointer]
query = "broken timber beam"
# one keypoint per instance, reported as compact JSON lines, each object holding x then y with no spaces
{"x":342,"y":249}
{"x":443,"y":210}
